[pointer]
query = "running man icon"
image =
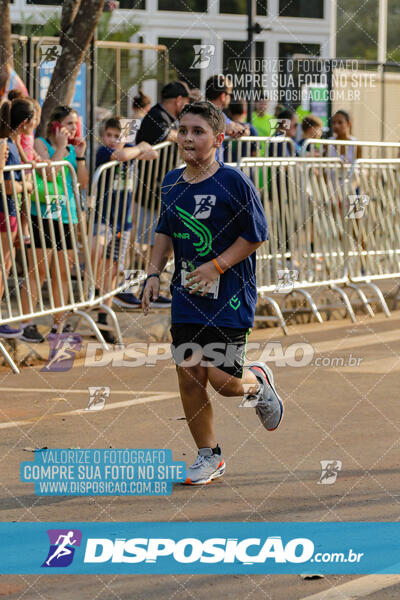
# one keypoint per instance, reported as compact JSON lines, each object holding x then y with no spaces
{"x":61,"y":552}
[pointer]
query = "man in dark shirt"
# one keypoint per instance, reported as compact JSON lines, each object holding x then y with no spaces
{"x":159,"y":123}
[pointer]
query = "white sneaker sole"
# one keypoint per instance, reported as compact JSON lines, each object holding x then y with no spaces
{"x":218,"y":473}
{"x":270,"y":377}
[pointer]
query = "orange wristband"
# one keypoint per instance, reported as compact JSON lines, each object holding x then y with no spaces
{"x":220,"y":271}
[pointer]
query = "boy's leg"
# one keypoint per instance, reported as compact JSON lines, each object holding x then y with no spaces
{"x":192,"y":377}
{"x":196,"y":404}
{"x":256,"y":383}
{"x":228,"y":385}
{"x":209,"y":464}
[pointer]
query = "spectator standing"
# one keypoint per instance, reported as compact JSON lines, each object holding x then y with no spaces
{"x":341,"y":125}
{"x":60,"y":143}
{"x":238,"y":114}
{"x":312,"y":129}
{"x":287,"y":127}
{"x":15,"y":117}
{"x":262,"y":120}
{"x":141,"y":105}
{"x":120,"y":211}
{"x":219,"y":92}
{"x":159,"y":124}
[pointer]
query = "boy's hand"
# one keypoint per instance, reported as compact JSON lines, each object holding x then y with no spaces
{"x":144,"y":147}
{"x":150,"y":292}
{"x":29,"y":187}
{"x":146,"y":151}
{"x":202,"y":277}
{"x":118,"y":154}
{"x":148,"y":154}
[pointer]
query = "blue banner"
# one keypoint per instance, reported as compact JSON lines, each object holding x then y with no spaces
{"x":49,"y":55}
{"x":200,"y":547}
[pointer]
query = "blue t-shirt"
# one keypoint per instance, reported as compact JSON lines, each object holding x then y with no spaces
{"x":278,"y":149}
{"x":204,"y":219}
{"x":103,"y":155}
{"x":13,"y":159}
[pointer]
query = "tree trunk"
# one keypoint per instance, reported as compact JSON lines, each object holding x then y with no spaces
{"x":78,"y":22}
{"x":6,"y":52}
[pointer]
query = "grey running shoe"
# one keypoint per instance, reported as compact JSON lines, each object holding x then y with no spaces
{"x":269,"y":407}
{"x":207,"y":466}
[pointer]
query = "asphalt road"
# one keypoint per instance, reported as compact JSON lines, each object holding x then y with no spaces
{"x":342,"y":406}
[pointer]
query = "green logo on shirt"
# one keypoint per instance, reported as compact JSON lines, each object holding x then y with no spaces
{"x":203,"y":246}
{"x":234,"y":302}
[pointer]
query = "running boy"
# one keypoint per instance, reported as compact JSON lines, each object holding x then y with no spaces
{"x":212,"y":219}
{"x":119,"y":214}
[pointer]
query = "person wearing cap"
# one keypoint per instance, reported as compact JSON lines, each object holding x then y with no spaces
{"x":159,"y":123}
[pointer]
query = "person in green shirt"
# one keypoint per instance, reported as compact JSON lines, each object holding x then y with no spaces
{"x":262,"y":121}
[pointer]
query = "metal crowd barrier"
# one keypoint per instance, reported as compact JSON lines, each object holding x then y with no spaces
{"x":305,"y":211}
{"x":319,"y":236}
{"x":307,"y":201}
{"x":350,"y":150}
{"x":48,"y":279}
{"x":373,"y":224}
{"x":248,"y":146}
{"x":129,"y":250}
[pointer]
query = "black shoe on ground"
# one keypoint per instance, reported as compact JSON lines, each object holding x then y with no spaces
{"x":31,"y":335}
{"x":108,"y":335}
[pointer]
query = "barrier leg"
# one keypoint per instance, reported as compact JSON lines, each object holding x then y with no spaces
{"x":346,"y":301}
{"x":310,"y":301}
{"x":93,"y":325}
{"x":396,"y":299}
{"x":8,"y":358}
{"x":362,"y":296}
{"x":380,"y":295}
{"x":115,"y":322}
{"x":278,"y":313}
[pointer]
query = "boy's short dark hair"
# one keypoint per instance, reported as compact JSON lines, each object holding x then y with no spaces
{"x":207,"y":111}
{"x":237,"y":108}
{"x":112,"y":123}
{"x":217,"y":85}
{"x":175,"y":89}
{"x":311,"y":121}
{"x":287,"y":113}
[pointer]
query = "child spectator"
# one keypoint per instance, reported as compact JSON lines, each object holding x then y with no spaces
{"x":120,"y":210}
{"x":312,"y":129}
{"x":15,"y":117}
{"x":29,"y":155}
{"x":237,"y":111}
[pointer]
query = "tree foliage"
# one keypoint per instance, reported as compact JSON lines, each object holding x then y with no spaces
{"x":357,"y":29}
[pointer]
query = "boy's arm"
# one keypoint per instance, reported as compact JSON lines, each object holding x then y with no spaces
{"x":162,"y":250}
{"x":206,"y":273}
{"x":130,"y":153}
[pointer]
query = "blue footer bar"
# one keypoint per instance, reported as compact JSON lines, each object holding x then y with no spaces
{"x":200,"y":547}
